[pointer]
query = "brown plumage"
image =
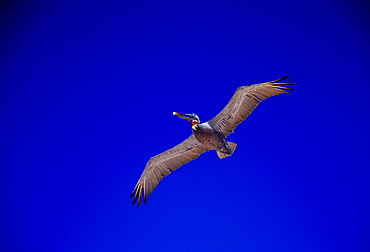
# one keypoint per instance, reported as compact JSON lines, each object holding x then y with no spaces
{"x":206,"y":136}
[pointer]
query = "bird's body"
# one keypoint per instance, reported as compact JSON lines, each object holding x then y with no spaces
{"x":206,"y":136}
{"x":211,"y":138}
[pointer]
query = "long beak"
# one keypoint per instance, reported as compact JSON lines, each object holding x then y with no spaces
{"x":183,"y":116}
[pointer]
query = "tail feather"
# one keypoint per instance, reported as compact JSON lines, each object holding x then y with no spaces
{"x":221,"y":154}
{"x":232,"y":147}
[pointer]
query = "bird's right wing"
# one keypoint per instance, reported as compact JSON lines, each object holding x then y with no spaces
{"x":161,"y":165}
{"x":244,"y":100}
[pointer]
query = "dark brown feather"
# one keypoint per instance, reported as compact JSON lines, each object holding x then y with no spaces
{"x":161,"y":165}
{"x":244,"y":100}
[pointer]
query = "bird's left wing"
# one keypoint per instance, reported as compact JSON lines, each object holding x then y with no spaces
{"x":161,"y":165}
{"x":244,"y":100}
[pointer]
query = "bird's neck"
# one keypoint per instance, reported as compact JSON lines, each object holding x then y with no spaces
{"x":193,"y":124}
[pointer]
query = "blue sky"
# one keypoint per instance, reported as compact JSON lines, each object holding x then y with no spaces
{"x":87,"y":94}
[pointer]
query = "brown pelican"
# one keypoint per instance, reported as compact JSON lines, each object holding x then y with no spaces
{"x":206,"y":136}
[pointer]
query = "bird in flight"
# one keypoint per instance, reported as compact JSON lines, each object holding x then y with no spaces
{"x":206,"y":136}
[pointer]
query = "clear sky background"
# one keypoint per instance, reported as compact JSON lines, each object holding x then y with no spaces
{"x":87,"y":94}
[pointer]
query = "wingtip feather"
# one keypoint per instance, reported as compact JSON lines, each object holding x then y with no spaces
{"x":285,"y":88}
{"x":282,"y":78}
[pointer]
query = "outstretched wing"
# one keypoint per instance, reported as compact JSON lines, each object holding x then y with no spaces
{"x":161,"y":165}
{"x":244,"y":100}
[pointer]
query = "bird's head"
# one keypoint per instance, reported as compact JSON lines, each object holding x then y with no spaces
{"x":192,"y":118}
